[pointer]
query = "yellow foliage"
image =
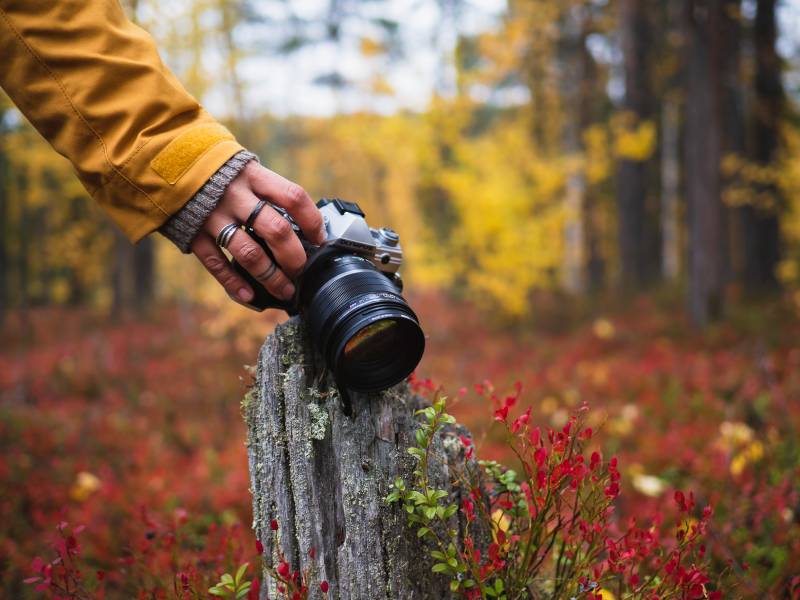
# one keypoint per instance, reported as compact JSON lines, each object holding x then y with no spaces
{"x":632,"y":140}
{"x":598,"y":159}
{"x":604,"y":329}
{"x":751,"y":454}
{"x":85,"y":485}
{"x":380,"y":85}
{"x":507,"y":240}
{"x":370,"y":47}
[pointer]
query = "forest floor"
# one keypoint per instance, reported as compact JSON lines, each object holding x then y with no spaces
{"x":133,"y":431}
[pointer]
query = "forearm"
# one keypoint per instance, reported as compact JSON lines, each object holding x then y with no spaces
{"x":93,"y":85}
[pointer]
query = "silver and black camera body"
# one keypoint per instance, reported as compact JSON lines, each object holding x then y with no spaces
{"x":350,"y":295}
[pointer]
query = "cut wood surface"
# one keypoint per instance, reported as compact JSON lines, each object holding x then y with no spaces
{"x":323,"y":476}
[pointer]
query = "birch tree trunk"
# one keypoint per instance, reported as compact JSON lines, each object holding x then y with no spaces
{"x":323,"y":475}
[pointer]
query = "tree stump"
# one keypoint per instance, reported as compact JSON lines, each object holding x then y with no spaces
{"x":323,"y":476}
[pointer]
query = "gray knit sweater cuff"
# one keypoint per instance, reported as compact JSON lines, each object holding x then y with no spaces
{"x":187,"y":222}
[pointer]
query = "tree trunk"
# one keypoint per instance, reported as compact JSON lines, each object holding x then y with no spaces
{"x":702,"y":160}
{"x":322,"y":475}
{"x":572,"y":80}
{"x":638,"y":220}
{"x":762,"y":233}
{"x":670,"y":189}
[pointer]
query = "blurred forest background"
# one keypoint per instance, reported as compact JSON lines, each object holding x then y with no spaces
{"x":573,"y":147}
{"x":598,"y":198}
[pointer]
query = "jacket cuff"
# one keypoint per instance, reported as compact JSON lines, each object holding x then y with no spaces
{"x":184,"y":225}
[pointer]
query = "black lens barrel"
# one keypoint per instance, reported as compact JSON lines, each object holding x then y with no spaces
{"x":343,"y":295}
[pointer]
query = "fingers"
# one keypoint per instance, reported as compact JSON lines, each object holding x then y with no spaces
{"x":290,"y":196}
{"x":217,"y":264}
{"x":271,"y":227}
{"x":280,"y":238}
{"x":253,"y":258}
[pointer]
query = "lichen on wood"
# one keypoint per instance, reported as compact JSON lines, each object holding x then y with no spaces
{"x":323,"y":476}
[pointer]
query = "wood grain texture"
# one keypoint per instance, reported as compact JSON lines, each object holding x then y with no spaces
{"x":323,"y":475}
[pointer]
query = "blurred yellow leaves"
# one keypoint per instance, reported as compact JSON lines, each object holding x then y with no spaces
{"x":738,"y":440}
{"x":370,"y":47}
{"x":632,"y":140}
{"x":507,"y":240}
{"x":753,"y":453}
{"x":598,"y":160}
{"x":85,"y":485}
{"x":603,"y":329}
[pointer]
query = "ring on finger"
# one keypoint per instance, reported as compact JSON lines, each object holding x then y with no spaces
{"x":251,"y":219}
{"x":269,"y":272}
{"x":226,"y":234}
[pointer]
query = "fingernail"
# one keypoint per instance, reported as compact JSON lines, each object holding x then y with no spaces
{"x":288,"y":291}
{"x":244,"y":294}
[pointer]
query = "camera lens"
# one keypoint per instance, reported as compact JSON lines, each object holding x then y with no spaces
{"x":368,"y":334}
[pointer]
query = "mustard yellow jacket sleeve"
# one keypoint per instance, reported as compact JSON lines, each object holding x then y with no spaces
{"x":93,"y":85}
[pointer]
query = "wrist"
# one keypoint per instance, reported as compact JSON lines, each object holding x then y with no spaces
{"x":185,"y":224}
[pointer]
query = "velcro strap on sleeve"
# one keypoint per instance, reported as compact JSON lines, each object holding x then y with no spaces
{"x":186,"y":149}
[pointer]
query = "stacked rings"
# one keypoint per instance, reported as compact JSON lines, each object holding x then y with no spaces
{"x":226,"y":233}
{"x":254,"y":214}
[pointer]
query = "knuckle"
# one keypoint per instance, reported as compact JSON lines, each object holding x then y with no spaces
{"x":249,"y":255}
{"x":216,"y":265}
{"x":275,"y":284}
{"x":279,"y":227}
{"x":229,"y":282}
{"x":295,"y":195}
{"x":316,"y":220}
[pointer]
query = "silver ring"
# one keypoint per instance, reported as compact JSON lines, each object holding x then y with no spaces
{"x":226,"y":233}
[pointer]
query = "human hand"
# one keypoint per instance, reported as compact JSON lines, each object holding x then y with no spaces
{"x":243,"y":193}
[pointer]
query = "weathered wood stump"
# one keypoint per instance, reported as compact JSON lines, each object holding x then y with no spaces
{"x":323,"y":476}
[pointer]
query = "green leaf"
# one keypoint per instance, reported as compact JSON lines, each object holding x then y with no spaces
{"x":469,"y":583}
{"x":498,"y":586}
{"x":454,"y":585}
{"x":429,"y":511}
{"x":217,"y":591}
{"x":420,"y":437}
{"x":240,"y":573}
{"x":417,"y":497}
{"x":452,"y":562}
{"x":438,"y":555}
{"x":227,"y":579}
{"x":422,"y":531}
{"x":489,"y":591}
{"x":393,"y":497}
{"x":243,"y":590}
{"x":417,"y":452}
{"x":440,"y":568}
{"x":450,"y":511}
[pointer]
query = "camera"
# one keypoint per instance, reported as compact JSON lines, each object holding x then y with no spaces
{"x":350,"y":293}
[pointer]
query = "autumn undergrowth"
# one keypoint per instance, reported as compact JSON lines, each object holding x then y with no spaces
{"x":123,"y":471}
{"x":552,"y":530}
